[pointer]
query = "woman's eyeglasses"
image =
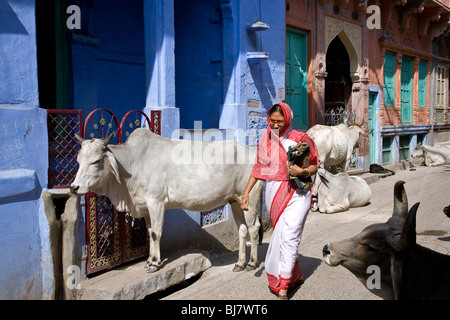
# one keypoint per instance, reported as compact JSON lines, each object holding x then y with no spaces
{"x":279,"y":122}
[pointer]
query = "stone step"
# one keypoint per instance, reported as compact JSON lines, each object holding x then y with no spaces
{"x":133,"y":282}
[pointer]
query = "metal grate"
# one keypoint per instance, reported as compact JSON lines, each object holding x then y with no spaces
{"x":213,"y":216}
{"x":100,"y":123}
{"x":118,"y":237}
{"x":103,"y":234}
{"x":337,"y":115}
{"x":63,"y":147}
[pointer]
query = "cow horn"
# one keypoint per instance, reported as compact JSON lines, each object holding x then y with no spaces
{"x":362,"y":122}
{"x":400,"y":200}
{"x":109,"y":138}
{"x":409,"y":228}
{"x":79,"y":139}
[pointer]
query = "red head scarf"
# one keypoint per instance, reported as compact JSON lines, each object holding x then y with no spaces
{"x":271,"y":159}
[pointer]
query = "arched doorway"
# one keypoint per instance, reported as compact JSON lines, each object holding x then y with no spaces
{"x":338,"y":83}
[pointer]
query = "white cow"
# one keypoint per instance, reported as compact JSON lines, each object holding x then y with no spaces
{"x":149,"y":174}
{"x":335,"y":144}
{"x":432,"y":155}
{"x":339,"y":192}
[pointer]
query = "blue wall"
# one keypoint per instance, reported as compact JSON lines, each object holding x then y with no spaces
{"x":198,"y":62}
{"x":213,"y":79}
{"x":23,"y":158}
{"x":263,"y":82}
{"x":126,"y":56}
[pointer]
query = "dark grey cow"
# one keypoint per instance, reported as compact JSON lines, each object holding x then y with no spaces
{"x":447,"y":211}
{"x":407,"y":270}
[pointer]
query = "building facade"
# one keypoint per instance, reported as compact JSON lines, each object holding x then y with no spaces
{"x":354,"y":62}
{"x":412,"y":67}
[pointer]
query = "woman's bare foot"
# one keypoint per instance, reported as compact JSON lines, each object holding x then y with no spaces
{"x":282,"y":294}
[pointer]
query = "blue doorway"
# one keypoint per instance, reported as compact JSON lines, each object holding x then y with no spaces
{"x":198,"y":62}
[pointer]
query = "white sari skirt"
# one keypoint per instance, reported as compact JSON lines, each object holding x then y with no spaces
{"x":282,"y":268}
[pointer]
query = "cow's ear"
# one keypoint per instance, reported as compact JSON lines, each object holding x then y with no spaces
{"x":400,"y":200}
{"x":407,"y":238}
{"x":113,"y":165}
{"x":322,"y":172}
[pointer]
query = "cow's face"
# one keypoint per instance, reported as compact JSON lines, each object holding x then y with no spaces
{"x":357,"y":132}
{"x":97,"y":166}
{"x":372,"y":254}
{"x":359,"y":253}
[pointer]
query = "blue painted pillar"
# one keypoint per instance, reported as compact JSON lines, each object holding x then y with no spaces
{"x":160,"y":62}
{"x":25,"y":264}
{"x":234,"y":111}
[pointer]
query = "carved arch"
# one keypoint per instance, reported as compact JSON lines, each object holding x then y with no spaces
{"x":350,"y":35}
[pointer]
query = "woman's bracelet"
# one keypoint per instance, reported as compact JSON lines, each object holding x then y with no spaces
{"x":247,"y":196}
{"x":309,"y":173}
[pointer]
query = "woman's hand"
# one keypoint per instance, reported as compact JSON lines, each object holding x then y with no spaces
{"x":244,"y":203}
{"x":296,"y":171}
{"x":245,"y":197}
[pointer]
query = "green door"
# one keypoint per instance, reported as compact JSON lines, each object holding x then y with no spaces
{"x":372,"y":125}
{"x":296,"y":77}
{"x":406,"y":90}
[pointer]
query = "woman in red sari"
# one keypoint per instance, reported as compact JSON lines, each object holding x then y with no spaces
{"x":288,"y":206}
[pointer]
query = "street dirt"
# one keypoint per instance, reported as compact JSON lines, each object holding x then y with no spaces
{"x":429,"y":186}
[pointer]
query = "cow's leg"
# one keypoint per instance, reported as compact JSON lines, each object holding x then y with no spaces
{"x":148,"y":225}
{"x":339,"y":207}
{"x":253,"y":224}
{"x":156,"y":219}
{"x":238,"y":215}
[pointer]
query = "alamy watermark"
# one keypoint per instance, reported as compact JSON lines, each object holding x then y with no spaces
{"x":374,"y":20}
{"x":74,"y":279}
{"x":74,"y":20}
{"x":374,"y":280}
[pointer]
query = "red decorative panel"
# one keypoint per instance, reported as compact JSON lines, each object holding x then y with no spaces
{"x":62,"y":146}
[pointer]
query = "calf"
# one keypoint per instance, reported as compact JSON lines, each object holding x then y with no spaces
{"x":339,"y":192}
{"x":407,"y":270}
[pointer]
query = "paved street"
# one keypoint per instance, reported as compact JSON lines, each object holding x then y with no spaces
{"x":429,"y":186}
